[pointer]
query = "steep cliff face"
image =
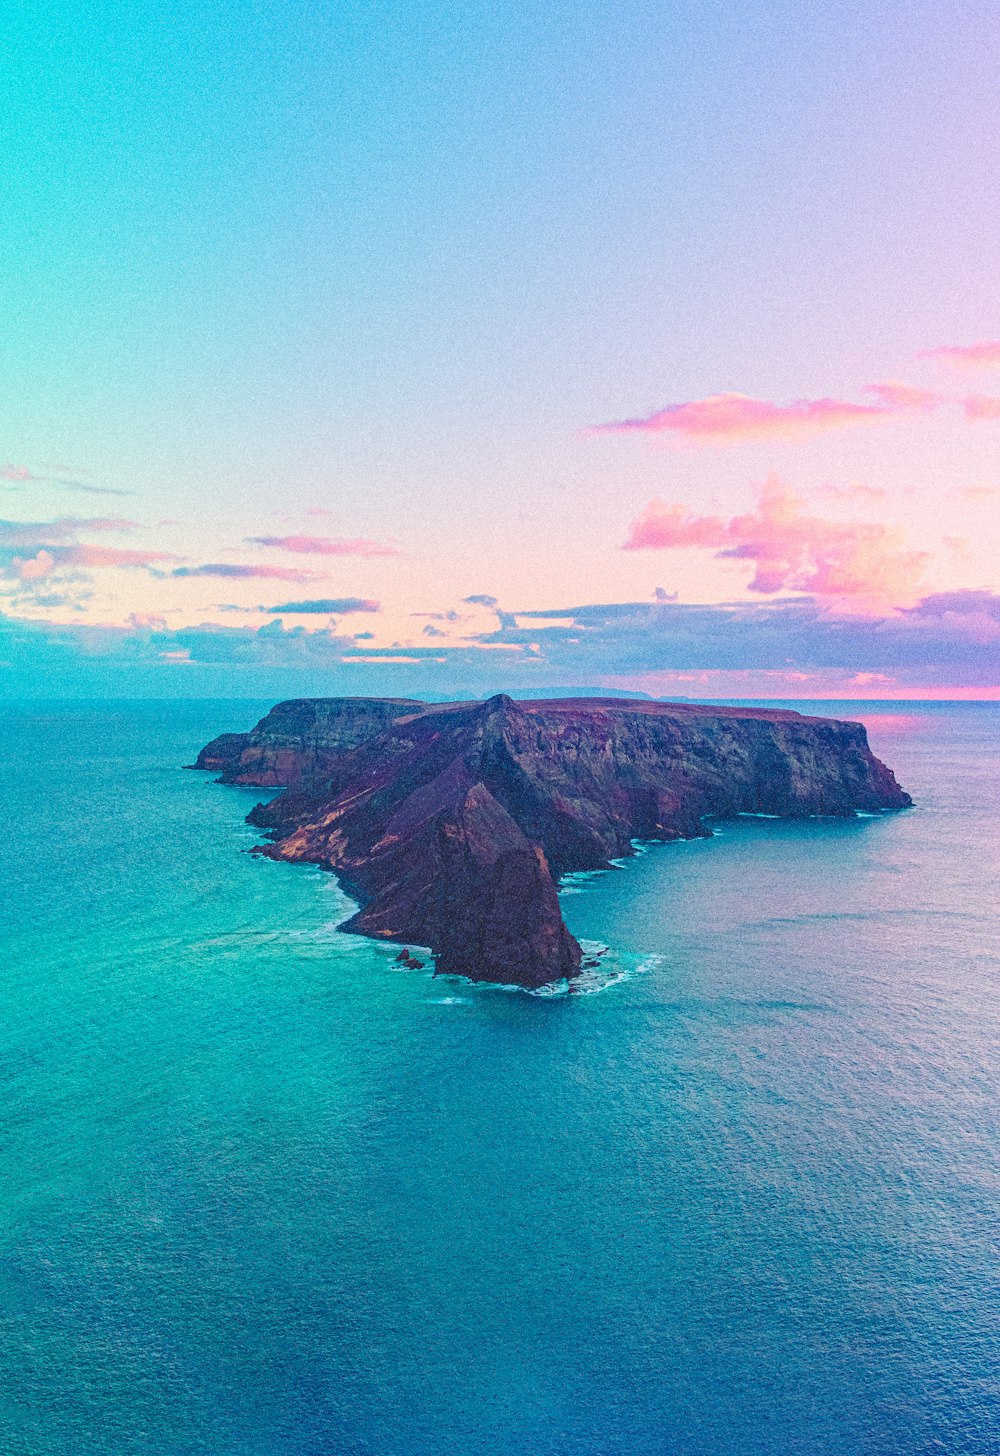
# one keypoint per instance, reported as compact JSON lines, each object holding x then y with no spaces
{"x":298,"y":741}
{"x":585,"y":778}
{"x":450,"y":824}
{"x":222,"y":754}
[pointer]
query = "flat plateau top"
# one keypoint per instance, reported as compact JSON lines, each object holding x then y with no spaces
{"x":582,"y":706}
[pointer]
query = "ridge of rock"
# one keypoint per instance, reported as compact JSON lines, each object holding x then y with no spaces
{"x":451,"y":823}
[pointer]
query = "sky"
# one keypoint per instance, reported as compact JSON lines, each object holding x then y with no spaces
{"x":454,"y":348}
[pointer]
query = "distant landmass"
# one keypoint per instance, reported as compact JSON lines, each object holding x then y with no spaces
{"x":531,"y":694}
{"x":450,"y":824}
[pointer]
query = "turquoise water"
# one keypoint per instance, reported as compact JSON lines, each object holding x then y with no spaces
{"x":264,"y":1192}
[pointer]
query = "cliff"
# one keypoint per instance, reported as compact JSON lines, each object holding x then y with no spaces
{"x":451,"y":824}
{"x":299,"y":741}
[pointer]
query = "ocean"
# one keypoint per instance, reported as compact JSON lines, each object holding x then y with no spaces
{"x":266,"y":1193}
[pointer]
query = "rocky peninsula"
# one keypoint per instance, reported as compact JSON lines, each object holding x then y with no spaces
{"x":450,"y":824}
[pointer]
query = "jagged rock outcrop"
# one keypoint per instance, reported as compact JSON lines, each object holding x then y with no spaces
{"x":450,"y":824}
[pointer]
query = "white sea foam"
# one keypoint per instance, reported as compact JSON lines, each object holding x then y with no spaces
{"x":612,"y":973}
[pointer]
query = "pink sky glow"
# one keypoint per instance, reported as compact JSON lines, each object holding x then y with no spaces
{"x":889,"y":534}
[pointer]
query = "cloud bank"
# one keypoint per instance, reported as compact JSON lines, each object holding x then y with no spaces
{"x":946,"y":639}
{"x":790,"y":647}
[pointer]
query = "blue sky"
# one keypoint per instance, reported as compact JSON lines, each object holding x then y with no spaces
{"x":369,"y":273}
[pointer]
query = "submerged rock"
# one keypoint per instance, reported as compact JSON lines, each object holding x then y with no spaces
{"x":451,"y":824}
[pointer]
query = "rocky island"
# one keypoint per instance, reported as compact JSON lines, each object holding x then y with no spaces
{"x":450,"y":824}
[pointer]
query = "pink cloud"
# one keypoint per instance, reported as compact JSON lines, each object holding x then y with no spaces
{"x":239,"y":572}
{"x":35,"y":569}
{"x":985,"y":355}
{"x":895,"y":395}
{"x":982,"y":407}
{"x":17,"y":472}
{"x":792,"y":550}
{"x":326,"y":545}
{"x":728,"y":418}
{"x":111,"y":556}
{"x":662,"y":527}
{"x":48,"y":560}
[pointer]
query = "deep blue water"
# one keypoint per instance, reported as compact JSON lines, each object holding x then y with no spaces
{"x":266,"y":1194}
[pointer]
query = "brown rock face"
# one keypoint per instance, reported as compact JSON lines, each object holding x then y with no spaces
{"x":451,"y":824}
{"x":299,"y":740}
{"x":222,"y":754}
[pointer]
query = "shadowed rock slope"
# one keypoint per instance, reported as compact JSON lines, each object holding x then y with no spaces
{"x":451,"y":824}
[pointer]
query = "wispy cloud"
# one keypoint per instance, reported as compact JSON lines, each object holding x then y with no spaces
{"x":790,"y":549}
{"x":326,"y":545}
{"x":32,"y":551}
{"x":237,"y":572}
{"x":335,"y":606}
{"x":74,"y":600}
{"x":984,"y":355}
{"x":965,"y":604}
{"x":982,"y":406}
{"x":46,"y":533}
{"x":24,"y":475}
{"x":732,"y":418}
{"x":393,"y":659}
{"x":86,"y":489}
{"x":482,"y":599}
{"x":48,"y":559}
{"x":894,"y":394}
{"x":111,"y":556}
